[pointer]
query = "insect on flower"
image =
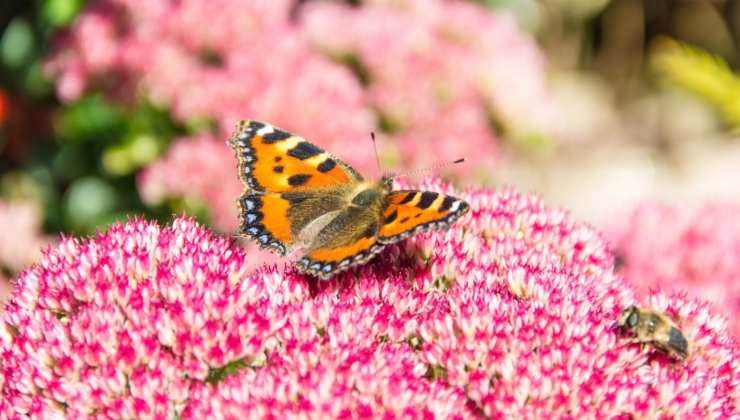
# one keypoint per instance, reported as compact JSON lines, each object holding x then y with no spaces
{"x":651,"y":327}
{"x":297,"y":196}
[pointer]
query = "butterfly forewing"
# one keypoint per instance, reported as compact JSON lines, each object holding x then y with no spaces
{"x":273,"y":160}
{"x":410,"y":211}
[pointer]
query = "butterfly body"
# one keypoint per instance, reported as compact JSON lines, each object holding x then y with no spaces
{"x":298,"y":196}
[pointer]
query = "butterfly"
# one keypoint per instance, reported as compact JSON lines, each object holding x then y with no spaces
{"x":297,"y":196}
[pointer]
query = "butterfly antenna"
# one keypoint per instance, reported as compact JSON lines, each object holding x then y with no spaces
{"x":433,"y":167}
{"x":375,"y":148}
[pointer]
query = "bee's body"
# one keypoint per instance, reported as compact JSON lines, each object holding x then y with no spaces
{"x":651,"y":327}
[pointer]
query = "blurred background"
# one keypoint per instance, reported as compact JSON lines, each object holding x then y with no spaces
{"x":624,"y":112}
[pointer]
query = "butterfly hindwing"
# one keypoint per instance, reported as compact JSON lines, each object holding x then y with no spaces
{"x":264,"y":218}
{"x":325,"y":263}
{"x":351,"y":238}
{"x":282,"y":221}
{"x":273,"y":160}
{"x":409,"y":212}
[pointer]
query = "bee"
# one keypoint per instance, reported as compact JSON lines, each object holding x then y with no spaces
{"x":648,"y":326}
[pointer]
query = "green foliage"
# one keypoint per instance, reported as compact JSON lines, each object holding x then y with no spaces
{"x":85,"y":175}
{"x":20,"y":57}
{"x":57,"y":13}
{"x":88,"y":200}
{"x":127,"y":139}
{"x":117,"y":142}
{"x":17,"y":44}
{"x":216,"y":375}
{"x":697,"y":71}
{"x":91,"y":171}
{"x":526,"y":11}
{"x":146,"y":135}
{"x":90,"y":119}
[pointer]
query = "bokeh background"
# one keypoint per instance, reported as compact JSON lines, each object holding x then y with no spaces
{"x":624,"y":112}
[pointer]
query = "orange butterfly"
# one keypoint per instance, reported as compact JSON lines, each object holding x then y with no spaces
{"x":299,"y":196}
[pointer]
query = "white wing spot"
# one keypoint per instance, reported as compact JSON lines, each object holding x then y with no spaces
{"x":265,"y":130}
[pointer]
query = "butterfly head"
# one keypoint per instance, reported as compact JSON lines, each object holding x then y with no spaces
{"x":386,"y":181}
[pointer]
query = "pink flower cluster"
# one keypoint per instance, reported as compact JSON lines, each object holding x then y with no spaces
{"x":436,"y":70}
{"x":509,"y":313}
{"x":693,"y":250}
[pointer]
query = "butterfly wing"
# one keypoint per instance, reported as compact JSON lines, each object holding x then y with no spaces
{"x":349,"y":239}
{"x":409,"y":212}
{"x":273,"y":160}
{"x":291,"y":185}
{"x":270,"y":228}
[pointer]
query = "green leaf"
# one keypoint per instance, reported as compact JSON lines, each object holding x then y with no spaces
{"x":90,"y":119}
{"x":69,"y":162}
{"x":132,"y":154}
{"x":701,"y":73}
{"x":528,"y":12}
{"x":216,"y":375}
{"x":34,"y":81}
{"x":16,"y":44}
{"x":192,"y":206}
{"x":88,"y":202}
{"x":60,"y":12}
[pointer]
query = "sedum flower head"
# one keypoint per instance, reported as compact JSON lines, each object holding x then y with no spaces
{"x":510,"y":312}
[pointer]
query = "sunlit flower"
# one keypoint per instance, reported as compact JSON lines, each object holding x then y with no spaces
{"x":510,"y":312}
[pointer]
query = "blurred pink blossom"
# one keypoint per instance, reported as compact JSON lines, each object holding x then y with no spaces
{"x":22,"y":238}
{"x":693,"y":250}
{"x":435,"y":71}
{"x":509,"y":313}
